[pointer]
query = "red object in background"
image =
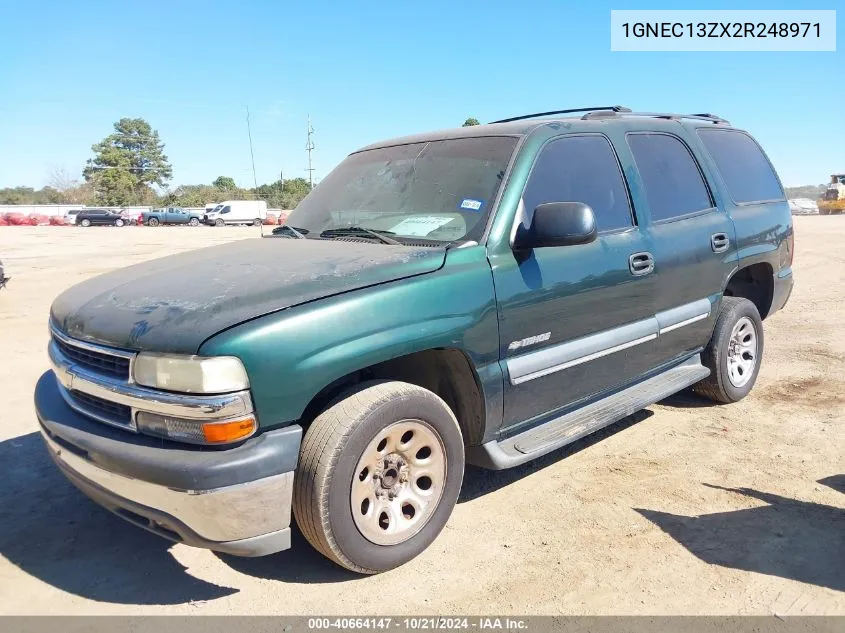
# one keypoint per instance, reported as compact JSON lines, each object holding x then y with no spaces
{"x":17,"y":219}
{"x":3,"y":221}
{"x":57,"y":220}
{"x":39,"y":220}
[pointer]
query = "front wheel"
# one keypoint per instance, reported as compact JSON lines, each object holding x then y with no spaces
{"x":119,"y":222}
{"x":194,"y":222}
{"x":734,"y":352}
{"x":256,"y":222}
{"x":219,"y":222}
{"x":379,"y":474}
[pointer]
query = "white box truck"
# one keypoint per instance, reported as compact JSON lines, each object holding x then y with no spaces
{"x":237,"y":212}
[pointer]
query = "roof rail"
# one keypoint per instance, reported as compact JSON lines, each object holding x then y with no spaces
{"x":616,"y":108}
{"x":657,"y":115}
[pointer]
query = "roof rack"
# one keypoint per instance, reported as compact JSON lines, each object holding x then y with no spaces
{"x":608,"y":112}
{"x":614,"y":109}
{"x":604,"y":114}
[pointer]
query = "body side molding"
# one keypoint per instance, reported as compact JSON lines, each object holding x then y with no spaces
{"x":570,"y":353}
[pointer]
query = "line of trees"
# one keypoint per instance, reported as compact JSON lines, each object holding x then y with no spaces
{"x":130,"y":168}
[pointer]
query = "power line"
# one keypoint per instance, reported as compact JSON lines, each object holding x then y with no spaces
{"x":251,"y":155}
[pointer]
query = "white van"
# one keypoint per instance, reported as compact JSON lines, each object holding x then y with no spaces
{"x":237,"y":212}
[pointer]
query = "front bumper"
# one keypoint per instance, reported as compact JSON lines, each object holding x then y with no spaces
{"x":235,"y":500}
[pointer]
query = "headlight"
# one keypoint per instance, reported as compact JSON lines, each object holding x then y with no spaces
{"x":190,"y":374}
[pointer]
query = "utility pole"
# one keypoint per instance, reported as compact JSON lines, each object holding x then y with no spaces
{"x":309,"y":147}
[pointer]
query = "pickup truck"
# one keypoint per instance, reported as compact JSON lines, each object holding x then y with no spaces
{"x":170,"y":215}
{"x":481,"y":295}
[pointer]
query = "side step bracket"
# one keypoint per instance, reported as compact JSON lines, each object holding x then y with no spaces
{"x":574,"y":425}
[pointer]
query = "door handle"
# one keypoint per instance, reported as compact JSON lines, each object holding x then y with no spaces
{"x":719,"y":242}
{"x":641,"y":263}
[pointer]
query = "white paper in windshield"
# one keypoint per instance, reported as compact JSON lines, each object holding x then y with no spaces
{"x":420,"y":226}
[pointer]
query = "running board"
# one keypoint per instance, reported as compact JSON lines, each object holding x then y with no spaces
{"x":574,"y":425}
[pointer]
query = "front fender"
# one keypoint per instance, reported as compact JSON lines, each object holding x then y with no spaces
{"x":292,"y":355}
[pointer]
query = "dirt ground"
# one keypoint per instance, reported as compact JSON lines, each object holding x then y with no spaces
{"x":685,"y":508}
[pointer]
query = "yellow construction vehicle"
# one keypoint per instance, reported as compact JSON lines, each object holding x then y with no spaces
{"x":833,"y":199}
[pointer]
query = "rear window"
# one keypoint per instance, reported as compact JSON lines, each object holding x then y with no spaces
{"x":747,"y":173}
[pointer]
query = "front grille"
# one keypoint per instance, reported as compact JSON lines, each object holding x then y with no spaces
{"x":115,"y":413}
{"x":101,"y":362}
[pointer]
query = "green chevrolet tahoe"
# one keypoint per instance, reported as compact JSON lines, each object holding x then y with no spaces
{"x":483,"y":295}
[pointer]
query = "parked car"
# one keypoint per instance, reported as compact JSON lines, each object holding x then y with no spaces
{"x":71,"y":215}
{"x":170,"y":215}
{"x":3,"y":278}
{"x":237,"y":212}
{"x":91,"y":217}
{"x":483,"y":295}
{"x":803,"y":206}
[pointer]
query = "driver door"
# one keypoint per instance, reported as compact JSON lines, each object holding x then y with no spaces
{"x":575,"y":321}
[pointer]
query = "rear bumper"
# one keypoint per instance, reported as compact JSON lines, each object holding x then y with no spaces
{"x":783,"y":284}
{"x":235,"y":500}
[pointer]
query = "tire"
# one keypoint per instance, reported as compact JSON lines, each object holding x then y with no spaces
{"x":119,"y":222}
{"x":731,"y":378}
{"x":86,"y":222}
{"x":219,"y":222}
{"x":336,"y":452}
{"x":256,"y":222}
{"x":153,"y":222}
{"x":194,"y":222}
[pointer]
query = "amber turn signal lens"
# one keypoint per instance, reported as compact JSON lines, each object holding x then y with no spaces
{"x":217,"y":433}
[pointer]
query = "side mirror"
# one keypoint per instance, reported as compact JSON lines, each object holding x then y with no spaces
{"x":558,"y":224}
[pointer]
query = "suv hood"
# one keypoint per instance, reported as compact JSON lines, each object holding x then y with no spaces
{"x":175,"y":303}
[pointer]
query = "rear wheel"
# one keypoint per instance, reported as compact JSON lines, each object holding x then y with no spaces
{"x":256,"y":222}
{"x":378,"y":476}
{"x":734,"y":352}
{"x":86,"y":222}
{"x":153,"y":222}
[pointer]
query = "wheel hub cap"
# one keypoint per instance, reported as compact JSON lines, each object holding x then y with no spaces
{"x":742,"y":352}
{"x":398,"y":482}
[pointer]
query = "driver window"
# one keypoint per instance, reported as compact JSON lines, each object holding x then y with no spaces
{"x":581,"y":169}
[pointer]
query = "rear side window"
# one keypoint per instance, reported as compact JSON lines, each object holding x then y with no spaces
{"x":581,"y":169}
{"x":673,"y":183}
{"x":744,"y":168}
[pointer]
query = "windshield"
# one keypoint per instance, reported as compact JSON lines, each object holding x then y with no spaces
{"x":216,"y":209}
{"x":438,"y":190}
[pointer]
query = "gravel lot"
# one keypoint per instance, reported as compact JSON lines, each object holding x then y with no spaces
{"x":685,"y":508}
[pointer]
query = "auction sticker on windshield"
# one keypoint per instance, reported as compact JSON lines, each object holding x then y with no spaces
{"x":471,"y":205}
{"x":420,"y":226}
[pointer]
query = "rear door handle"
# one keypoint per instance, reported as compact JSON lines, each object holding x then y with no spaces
{"x":641,"y":263}
{"x":719,"y":242}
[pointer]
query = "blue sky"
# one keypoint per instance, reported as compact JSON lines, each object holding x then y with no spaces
{"x":366,"y":71}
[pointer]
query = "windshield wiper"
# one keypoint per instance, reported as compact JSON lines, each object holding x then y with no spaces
{"x":359,"y":230}
{"x":280,"y":229}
